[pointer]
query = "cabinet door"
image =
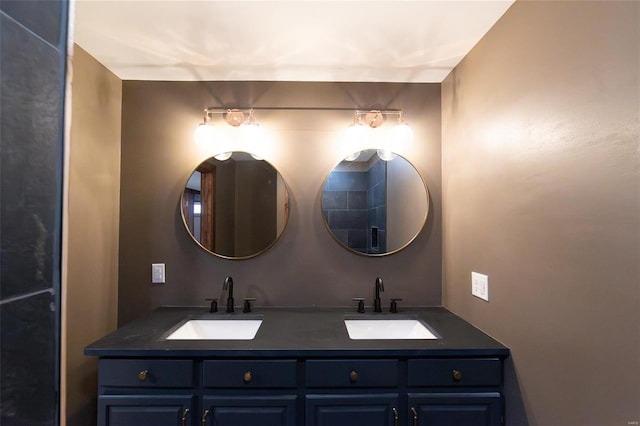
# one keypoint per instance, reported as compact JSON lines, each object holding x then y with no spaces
{"x":143,"y":410}
{"x":460,"y":409}
{"x":263,"y":410}
{"x":352,"y":410}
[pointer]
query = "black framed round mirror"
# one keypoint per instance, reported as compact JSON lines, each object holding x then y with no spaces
{"x":374,"y":203}
{"x":235,"y":205}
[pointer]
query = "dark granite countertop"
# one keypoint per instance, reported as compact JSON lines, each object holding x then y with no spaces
{"x":293,"y":332}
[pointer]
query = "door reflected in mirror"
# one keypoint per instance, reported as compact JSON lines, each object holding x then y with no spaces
{"x":236,"y":208}
{"x":372,"y":206}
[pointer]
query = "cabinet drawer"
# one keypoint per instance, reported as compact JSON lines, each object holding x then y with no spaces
{"x":249,"y":373}
{"x":146,"y":373}
{"x":455,"y":372}
{"x":352,"y":373}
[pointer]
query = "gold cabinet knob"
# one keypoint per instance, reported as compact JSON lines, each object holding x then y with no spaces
{"x":353,"y":376}
{"x":142,"y":376}
{"x":247,"y":377}
{"x":457,"y":375}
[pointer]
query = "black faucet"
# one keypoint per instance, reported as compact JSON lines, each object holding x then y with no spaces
{"x":228,"y":285}
{"x":377,"y":307}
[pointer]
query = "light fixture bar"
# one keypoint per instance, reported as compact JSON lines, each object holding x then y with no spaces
{"x":224,"y":110}
{"x":237,"y":116}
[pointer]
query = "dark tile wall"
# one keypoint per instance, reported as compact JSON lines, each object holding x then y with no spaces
{"x":377,"y":205}
{"x":32,"y":66}
{"x":354,"y":202}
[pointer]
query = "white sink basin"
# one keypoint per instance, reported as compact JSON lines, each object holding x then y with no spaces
{"x":217,"y":329}
{"x":378,"y":329}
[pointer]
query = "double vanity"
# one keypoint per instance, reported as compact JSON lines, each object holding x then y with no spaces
{"x":297,"y":366}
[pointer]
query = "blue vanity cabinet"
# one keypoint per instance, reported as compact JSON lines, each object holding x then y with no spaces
{"x":459,"y":408}
{"x":369,"y":408}
{"x":145,"y":410}
{"x":351,"y":392}
{"x":141,"y":392}
{"x":249,"y":392}
{"x":301,"y":369}
{"x":455,"y":391}
{"x":263,"y":410}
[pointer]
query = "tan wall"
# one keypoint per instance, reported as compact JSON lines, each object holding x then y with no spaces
{"x":92,"y":229}
{"x":306,"y":267}
{"x":403,"y":186}
{"x":541,"y":193}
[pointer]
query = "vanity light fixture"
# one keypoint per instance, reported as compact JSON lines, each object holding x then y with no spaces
{"x":208,"y":136}
{"x":365,"y":132}
{"x":359,"y":131}
{"x":376,"y":118}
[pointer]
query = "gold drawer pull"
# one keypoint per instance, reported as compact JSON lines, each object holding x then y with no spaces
{"x":395,"y":416}
{"x":457,"y":375}
{"x":247,"y":377}
{"x":184,"y":416}
{"x":142,"y":376}
{"x":415,"y":416}
{"x":204,"y":417}
{"x":353,"y":376}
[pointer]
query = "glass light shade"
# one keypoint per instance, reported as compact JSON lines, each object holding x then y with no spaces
{"x":355,"y":136}
{"x":352,"y":157}
{"x":223,"y":156}
{"x":386,"y":155}
{"x":205,"y":134}
{"x":253,"y":138}
{"x":402,"y":135}
{"x":252,"y":133}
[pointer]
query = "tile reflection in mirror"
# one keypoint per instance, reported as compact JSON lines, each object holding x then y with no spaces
{"x":373,"y":206}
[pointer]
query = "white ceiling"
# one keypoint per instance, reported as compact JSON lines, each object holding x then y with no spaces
{"x":298,"y":40}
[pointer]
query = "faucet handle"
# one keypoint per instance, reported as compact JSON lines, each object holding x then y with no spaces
{"x":247,"y":304}
{"x":394,"y":306}
{"x":360,"y":301}
{"x":214,"y":305}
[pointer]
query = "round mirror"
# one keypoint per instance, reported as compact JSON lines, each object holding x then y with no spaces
{"x":374,"y":202}
{"x":235,"y":206}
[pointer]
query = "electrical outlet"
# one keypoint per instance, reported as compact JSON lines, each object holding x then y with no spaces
{"x":480,"y":286}
{"x":157,"y":273}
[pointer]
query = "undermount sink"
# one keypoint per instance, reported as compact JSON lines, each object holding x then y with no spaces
{"x":403,"y":328}
{"x":217,"y":329}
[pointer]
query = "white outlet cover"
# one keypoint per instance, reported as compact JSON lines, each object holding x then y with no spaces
{"x":480,"y":286}
{"x":157,"y":273}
